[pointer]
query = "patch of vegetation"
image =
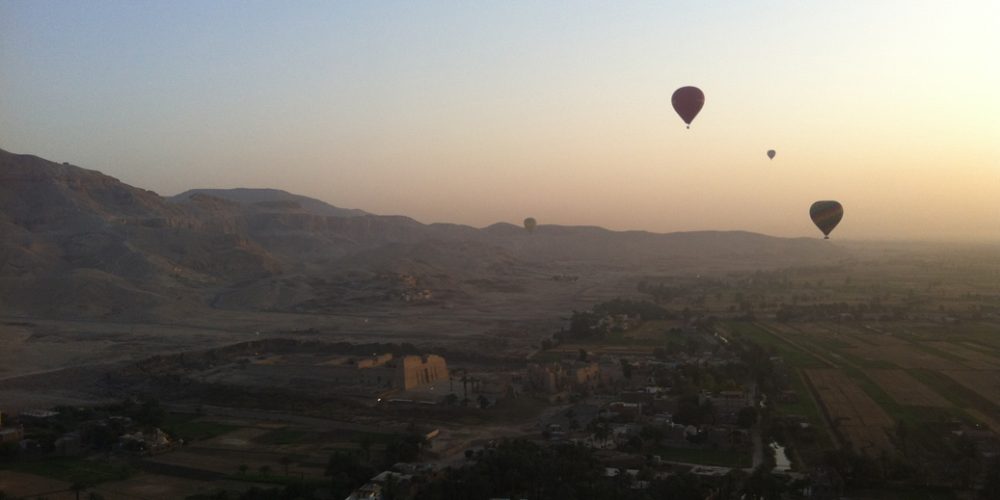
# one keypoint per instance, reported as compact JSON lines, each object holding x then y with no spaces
{"x":924,"y":493}
{"x":791,"y":354}
{"x":954,"y":392}
{"x":73,"y":470}
{"x":608,"y":318}
{"x":882,"y":398}
{"x":867,"y":363}
{"x":276,"y":478}
{"x":939,"y":353}
{"x":190,"y":428}
{"x":284,"y":435}
{"x":806,"y":404}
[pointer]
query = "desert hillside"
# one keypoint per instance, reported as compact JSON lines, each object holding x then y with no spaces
{"x":78,"y":243}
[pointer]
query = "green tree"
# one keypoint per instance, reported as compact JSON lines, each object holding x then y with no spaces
{"x":626,"y":368}
{"x":391,"y":489}
{"x":346,"y":473}
{"x":684,"y":486}
{"x":78,"y":487}
{"x":991,"y":489}
{"x":746,"y":417}
{"x":403,"y":448}
{"x":366,"y":442}
{"x":602,"y":433}
{"x":763,"y":485}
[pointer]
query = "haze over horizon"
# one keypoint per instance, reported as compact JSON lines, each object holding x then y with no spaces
{"x":473,"y":114}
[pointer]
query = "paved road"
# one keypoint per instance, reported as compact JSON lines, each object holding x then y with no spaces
{"x":758,"y":447}
{"x":313,"y":423}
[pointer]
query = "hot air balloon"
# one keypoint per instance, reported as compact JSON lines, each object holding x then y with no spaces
{"x":687,"y":102}
{"x":826,"y":215}
{"x":530,"y":224}
{"x":770,"y":153}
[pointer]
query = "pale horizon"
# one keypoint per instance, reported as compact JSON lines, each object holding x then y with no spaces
{"x":477,"y":114}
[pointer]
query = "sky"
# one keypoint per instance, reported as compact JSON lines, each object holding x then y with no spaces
{"x":487,"y":111}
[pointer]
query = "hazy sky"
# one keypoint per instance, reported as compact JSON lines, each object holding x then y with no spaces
{"x":477,"y":112}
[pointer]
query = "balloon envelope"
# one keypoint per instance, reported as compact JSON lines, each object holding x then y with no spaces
{"x":530,"y":224}
{"x":770,"y":153}
{"x":687,"y":103}
{"x":826,"y":215}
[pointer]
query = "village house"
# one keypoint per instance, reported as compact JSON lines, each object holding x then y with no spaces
{"x":10,"y":434}
{"x":558,"y":377}
{"x":727,"y":402}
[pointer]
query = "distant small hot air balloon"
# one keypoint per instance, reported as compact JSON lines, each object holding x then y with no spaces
{"x":770,"y":153}
{"x":687,"y":103}
{"x":826,"y":215}
{"x":530,"y":224}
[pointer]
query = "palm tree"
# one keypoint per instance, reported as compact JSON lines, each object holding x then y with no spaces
{"x":601,"y":432}
{"x":365,"y":443}
{"x":390,"y":490}
{"x":285,"y":462}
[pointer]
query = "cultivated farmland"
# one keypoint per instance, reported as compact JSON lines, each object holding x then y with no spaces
{"x":986,"y":383}
{"x":972,"y":358}
{"x":905,"y":389}
{"x":855,"y":416}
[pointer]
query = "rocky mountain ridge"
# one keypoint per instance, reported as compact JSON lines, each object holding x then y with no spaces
{"x":78,"y":243}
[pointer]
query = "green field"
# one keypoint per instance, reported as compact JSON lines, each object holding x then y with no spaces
{"x":284,"y":436}
{"x":73,"y":470}
{"x":849,"y":364}
{"x":957,"y":394}
{"x":806,"y":405}
{"x":792,"y":355}
{"x":192,"y":428}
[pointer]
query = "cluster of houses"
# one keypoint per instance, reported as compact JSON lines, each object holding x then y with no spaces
{"x":619,"y":406}
{"x":39,"y":433}
{"x":399,"y":481}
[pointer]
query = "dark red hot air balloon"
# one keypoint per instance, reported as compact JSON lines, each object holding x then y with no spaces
{"x":530,"y":223}
{"x":826,"y":215}
{"x":687,"y":103}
